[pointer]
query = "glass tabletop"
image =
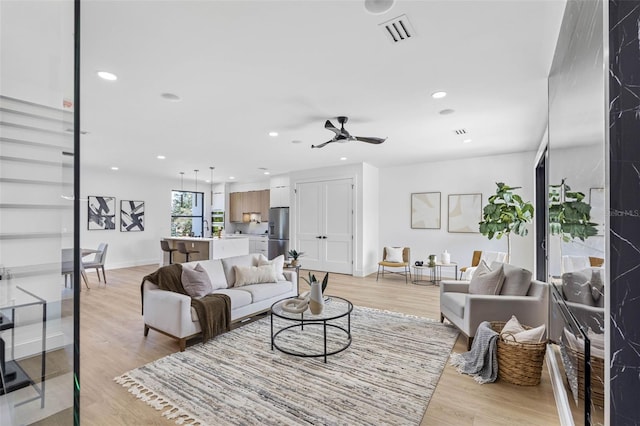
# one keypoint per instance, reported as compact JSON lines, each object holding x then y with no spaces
{"x":334,"y":307}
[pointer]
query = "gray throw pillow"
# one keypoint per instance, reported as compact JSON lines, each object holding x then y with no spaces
{"x":486,"y":281}
{"x":516,"y":280}
{"x":597,"y":288}
{"x":576,"y":287}
{"x":196,"y":281}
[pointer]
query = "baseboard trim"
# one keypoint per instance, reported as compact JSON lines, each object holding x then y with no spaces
{"x":559,"y":392}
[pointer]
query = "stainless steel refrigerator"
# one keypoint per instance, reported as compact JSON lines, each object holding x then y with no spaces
{"x":278,"y":231}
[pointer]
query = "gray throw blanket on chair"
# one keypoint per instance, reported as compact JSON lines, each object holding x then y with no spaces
{"x":481,"y":361}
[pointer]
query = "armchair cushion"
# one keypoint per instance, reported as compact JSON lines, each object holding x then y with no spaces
{"x":486,"y":281}
{"x":516,"y":280}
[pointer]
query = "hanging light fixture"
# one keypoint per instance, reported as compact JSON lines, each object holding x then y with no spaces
{"x":211,"y":183}
{"x":196,"y":192}
{"x":181,"y":189}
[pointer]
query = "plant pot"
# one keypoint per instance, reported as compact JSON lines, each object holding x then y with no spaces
{"x":294,"y":262}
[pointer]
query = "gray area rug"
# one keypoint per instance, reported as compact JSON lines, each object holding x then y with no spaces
{"x":386,"y":376}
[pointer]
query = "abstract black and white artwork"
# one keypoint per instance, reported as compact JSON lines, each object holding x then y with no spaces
{"x":101,"y":213}
{"x":131,"y":215}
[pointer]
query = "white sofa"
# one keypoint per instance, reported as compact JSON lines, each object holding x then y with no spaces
{"x":171,"y":313}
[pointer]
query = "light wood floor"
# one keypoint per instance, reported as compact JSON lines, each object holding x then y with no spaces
{"x":112,"y":343}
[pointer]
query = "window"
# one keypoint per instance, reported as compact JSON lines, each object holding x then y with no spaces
{"x":187,"y":214}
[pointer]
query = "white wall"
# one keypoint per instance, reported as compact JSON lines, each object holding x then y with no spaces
{"x":464,"y":176}
{"x":129,"y":248}
{"x":370,"y":218}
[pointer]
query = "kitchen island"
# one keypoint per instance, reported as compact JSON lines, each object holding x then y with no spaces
{"x":208,"y":248}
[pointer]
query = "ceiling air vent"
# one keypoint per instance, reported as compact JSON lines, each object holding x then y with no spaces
{"x":398,"y":29}
{"x":460,"y":131}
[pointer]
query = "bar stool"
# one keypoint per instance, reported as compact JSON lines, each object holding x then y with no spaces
{"x":164,"y":245}
{"x":183,"y":249}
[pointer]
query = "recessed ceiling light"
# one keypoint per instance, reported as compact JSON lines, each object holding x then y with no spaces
{"x":446,"y":112}
{"x":273,"y":134}
{"x":232,"y":177}
{"x":378,"y":7}
{"x":171,"y":97}
{"x":161,"y":157}
{"x":438,"y":95}
{"x":296,"y":141}
{"x":207,"y":181}
{"x":114,"y":168}
{"x":466,"y":141}
{"x":267,"y":173}
{"x":343,"y":158}
{"x":107,"y":75}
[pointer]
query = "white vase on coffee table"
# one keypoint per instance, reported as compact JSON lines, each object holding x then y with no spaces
{"x":316,"y":301}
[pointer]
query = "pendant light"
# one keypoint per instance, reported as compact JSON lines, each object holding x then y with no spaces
{"x":181,"y":189}
{"x":211,"y":184}
{"x":196,"y":192}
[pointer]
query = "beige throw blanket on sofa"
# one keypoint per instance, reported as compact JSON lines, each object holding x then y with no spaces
{"x":214,"y":310}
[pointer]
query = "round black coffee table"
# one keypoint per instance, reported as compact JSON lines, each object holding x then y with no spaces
{"x":339,"y":337}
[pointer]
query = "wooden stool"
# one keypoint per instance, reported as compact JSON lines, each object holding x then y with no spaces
{"x":183,"y":249}
{"x":164,"y":245}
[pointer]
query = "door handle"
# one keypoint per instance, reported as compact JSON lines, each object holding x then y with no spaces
{"x":324,"y":237}
{"x":318,"y":236}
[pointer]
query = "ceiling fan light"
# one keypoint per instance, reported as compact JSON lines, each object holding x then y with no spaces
{"x":438,"y":95}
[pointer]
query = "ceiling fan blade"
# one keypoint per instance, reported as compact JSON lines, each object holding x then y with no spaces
{"x":331,"y":127}
{"x":369,"y":140}
{"x":323,"y":144}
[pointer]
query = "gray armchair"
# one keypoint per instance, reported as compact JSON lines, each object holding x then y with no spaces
{"x":520,"y":296}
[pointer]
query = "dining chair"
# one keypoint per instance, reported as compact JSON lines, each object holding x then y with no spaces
{"x":67,"y":268}
{"x":98,"y":261}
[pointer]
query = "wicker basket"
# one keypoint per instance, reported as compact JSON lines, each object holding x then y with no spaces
{"x":519,"y":363}
{"x":597,"y":376}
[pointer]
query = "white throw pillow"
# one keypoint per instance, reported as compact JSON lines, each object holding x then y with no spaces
{"x":512,"y":326}
{"x":394,"y":254}
{"x":278,"y":264}
{"x":533,"y":335}
{"x":246,"y":275}
{"x":486,"y":281}
{"x":196,"y":281}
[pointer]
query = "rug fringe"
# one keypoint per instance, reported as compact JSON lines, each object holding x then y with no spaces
{"x":158,"y":402}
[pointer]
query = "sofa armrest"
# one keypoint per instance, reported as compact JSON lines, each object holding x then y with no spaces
{"x":450,"y":286}
{"x":290,"y":276}
{"x":168,"y":311}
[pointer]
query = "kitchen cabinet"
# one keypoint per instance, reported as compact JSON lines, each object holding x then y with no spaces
{"x":279,"y":194}
{"x":235,"y":206}
{"x":258,"y":244}
{"x":249,"y":202}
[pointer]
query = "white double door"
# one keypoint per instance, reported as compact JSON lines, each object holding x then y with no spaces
{"x":324,"y":225}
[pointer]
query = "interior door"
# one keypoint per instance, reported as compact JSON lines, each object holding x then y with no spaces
{"x":324,"y":225}
{"x":308,"y":224}
{"x":337,"y":235}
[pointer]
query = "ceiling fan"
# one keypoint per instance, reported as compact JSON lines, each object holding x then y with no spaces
{"x":341,"y":135}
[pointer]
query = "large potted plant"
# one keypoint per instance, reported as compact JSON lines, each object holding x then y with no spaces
{"x":506,"y":213}
{"x":569,"y":215}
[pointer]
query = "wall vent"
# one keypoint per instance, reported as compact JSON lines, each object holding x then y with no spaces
{"x":460,"y":131}
{"x":398,"y":29}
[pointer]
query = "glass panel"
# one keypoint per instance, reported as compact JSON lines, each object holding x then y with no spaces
{"x":576,"y":194}
{"x":187,"y":214}
{"x":37,"y":213}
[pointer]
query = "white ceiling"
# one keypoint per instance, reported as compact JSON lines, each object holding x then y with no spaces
{"x":245,"y":68}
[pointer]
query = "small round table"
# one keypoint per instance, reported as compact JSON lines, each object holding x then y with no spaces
{"x":334,"y":309}
{"x":435,"y":272}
